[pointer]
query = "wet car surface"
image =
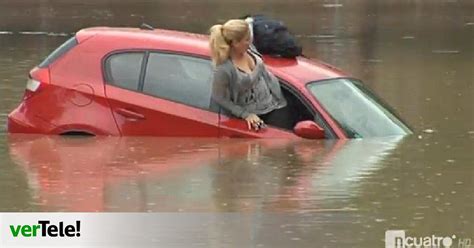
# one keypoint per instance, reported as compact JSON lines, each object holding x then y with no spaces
{"x":133,"y":82}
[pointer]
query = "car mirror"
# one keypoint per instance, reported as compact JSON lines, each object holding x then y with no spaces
{"x":309,"y":130}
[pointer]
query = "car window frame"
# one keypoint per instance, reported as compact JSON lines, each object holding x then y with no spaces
{"x":297,"y":93}
{"x":300,"y":96}
{"x":141,"y":83}
{"x":106,"y":73}
{"x":176,"y":53}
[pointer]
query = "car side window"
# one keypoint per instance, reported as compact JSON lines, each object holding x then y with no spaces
{"x":179,"y":78}
{"x":123,"y":69}
{"x":295,"y":111}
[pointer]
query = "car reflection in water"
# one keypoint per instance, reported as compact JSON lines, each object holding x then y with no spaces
{"x":171,"y":174}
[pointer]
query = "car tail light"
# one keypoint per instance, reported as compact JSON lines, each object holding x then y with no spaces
{"x":32,"y":86}
{"x":39,"y":77}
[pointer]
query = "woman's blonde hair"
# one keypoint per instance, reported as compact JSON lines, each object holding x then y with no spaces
{"x":222,"y":36}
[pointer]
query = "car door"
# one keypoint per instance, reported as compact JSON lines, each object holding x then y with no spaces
{"x":160,"y":94}
{"x":297,"y":109}
{"x":235,"y":127}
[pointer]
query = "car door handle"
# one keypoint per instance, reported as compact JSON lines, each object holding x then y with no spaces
{"x":130,"y":114}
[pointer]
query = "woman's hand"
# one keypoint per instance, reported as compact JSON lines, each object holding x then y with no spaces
{"x":254,"y":121}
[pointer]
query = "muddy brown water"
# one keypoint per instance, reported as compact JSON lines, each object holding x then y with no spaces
{"x":417,"y":55}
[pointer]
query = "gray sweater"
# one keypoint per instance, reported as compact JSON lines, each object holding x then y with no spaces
{"x":242,"y":93}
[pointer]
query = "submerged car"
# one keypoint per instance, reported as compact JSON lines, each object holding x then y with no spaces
{"x":152,"y":82}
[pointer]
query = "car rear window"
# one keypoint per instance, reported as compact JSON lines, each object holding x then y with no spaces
{"x":61,"y":50}
{"x":123,"y":69}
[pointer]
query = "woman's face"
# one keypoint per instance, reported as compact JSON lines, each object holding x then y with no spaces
{"x":243,"y":45}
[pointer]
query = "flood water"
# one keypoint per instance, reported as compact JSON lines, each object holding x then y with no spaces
{"x":417,"y":55}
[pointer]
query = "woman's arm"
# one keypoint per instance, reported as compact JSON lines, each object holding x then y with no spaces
{"x":221,"y":93}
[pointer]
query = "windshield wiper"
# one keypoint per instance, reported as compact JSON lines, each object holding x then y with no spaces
{"x":351,"y":132}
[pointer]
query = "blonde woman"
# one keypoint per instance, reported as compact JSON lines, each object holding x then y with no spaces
{"x":241,"y":84}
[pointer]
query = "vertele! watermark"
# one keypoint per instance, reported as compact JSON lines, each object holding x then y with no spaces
{"x":399,"y":239}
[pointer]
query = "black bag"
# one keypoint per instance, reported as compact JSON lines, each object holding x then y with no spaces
{"x":272,"y":37}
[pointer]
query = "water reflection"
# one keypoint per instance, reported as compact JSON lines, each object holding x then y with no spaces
{"x":150,"y":174}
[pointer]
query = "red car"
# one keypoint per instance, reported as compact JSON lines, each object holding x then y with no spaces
{"x":130,"y":81}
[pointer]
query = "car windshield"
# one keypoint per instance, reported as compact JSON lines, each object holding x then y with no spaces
{"x":356,"y":109}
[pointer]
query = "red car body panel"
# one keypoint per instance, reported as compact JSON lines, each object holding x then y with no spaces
{"x":76,"y":97}
{"x":235,"y":128}
{"x":147,"y":115}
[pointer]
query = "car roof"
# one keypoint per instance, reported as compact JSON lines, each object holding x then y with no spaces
{"x":300,"y":70}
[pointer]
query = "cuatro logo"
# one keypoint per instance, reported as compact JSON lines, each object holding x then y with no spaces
{"x":399,"y":239}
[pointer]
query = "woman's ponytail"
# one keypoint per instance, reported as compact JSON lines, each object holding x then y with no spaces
{"x":219,"y":45}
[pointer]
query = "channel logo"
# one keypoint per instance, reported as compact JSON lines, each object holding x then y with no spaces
{"x":399,"y":239}
{"x":44,"y":228}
